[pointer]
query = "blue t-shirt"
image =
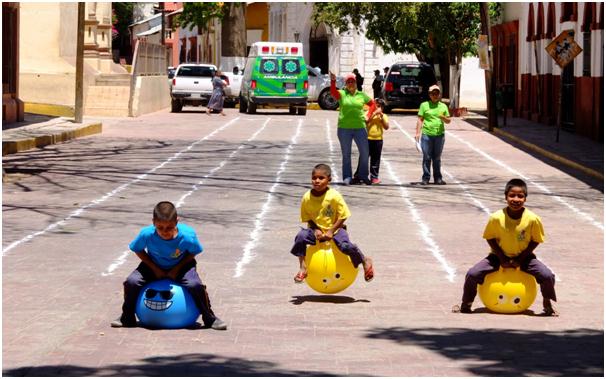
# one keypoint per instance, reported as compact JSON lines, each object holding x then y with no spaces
{"x":167,"y":253}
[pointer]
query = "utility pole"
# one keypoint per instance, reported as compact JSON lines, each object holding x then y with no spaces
{"x":79,"y":104}
{"x":488,"y":74}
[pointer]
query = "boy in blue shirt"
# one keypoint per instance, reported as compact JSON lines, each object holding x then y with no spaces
{"x":166,"y":251}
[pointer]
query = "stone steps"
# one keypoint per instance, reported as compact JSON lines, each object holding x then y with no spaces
{"x":107,"y":100}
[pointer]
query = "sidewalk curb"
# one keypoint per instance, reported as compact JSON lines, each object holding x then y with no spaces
{"x":550,"y":155}
{"x":33,"y":138}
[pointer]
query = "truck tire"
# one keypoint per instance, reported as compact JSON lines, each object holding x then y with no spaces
{"x":176,"y":105}
{"x":243,"y":105}
{"x":302,"y":109}
{"x":292,"y":109}
{"x":326,"y":101}
{"x":252,"y":108}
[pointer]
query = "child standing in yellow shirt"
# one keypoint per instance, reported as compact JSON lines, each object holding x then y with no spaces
{"x":376,"y":122}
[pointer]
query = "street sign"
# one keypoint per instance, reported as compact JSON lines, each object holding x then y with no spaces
{"x":563,"y":49}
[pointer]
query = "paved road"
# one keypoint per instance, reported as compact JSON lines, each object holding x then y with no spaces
{"x":70,"y":210}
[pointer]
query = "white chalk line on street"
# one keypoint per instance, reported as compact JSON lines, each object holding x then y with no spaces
{"x":425,"y":232}
{"x":112,"y":193}
{"x":541,"y":187}
{"x":248,"y":254}
{"x":122,"y":258}
{"x":335,"y":173}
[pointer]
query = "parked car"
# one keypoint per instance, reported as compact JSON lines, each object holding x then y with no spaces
{"x":192,"y":85}
{"x":319,"y":88}
{"x":406,"y":85}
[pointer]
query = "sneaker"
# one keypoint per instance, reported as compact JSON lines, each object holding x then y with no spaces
{"x":346,"y":181}
{"x":425,"y":182}
{"x":218,"y":324}
{"x":440,"y":182}
{"x":375,"y":181}
{"x":367,"y":182}
{"x":356,"y":181}
{"x":123,"y":322}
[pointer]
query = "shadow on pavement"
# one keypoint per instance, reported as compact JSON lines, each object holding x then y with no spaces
{"x":510,"y":352}
{"x":28,"y":119}
{"x":175,"y":366}
{"x":298,"y":300}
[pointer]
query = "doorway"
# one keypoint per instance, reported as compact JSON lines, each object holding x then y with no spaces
{"x":568,"y":98}
{"x":318,"y":54}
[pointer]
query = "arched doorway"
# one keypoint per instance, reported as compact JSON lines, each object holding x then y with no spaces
{"x":318,"y":47}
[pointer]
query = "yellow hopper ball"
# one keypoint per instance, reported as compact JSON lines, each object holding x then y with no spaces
{"x":508,"y":290}
{"x":328,"y":269}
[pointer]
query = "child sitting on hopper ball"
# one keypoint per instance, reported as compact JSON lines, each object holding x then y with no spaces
{"x":512,"y":233}
{"x":325,"y":211}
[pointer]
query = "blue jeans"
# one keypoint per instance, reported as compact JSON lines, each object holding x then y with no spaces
{"x":360,"y":137}
{"x":432,"y":152}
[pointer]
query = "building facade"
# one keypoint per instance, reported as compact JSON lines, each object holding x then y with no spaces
{"x":522,"y":65}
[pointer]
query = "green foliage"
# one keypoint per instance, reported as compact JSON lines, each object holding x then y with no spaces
{"x":200,"y":14}
{"x":122,"y":16}
{"x":429,"y":30}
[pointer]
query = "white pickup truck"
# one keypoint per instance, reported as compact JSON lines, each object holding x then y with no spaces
{"x":319,"y":88}
{"x":192,"y":85}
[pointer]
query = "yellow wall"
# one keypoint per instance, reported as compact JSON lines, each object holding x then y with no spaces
{"x":257,"y":18}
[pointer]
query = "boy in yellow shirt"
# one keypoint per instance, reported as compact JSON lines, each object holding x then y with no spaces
{"x":512,"y":233}
{"x":325,"y":211}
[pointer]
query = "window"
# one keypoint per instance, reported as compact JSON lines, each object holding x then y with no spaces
{"x":269,"y":66}
{"x":291,"y":66}
{"x":569,"y":12}
{"x":196,"y":71}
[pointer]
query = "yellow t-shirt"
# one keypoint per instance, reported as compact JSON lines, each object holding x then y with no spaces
{"x":375,"y":127}
{"x":513,"y":236}
{"x":324,"y":210}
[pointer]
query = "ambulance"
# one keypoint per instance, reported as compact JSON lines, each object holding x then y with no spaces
{"x":275,"y":75}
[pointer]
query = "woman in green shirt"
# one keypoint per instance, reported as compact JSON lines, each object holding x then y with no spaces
{"x":352,"y":126}
{"x":433,"y":114}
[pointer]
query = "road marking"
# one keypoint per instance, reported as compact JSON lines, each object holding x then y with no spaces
{"x":122,"y":258}
{"x":248,"y":254}
{"x":433,"y":247}
{"x":541,"y":187}
{"x":111,"y":194}
{"x":335,"y":173}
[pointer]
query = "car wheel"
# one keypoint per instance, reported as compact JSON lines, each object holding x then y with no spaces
{"x":176,"y":106}
{"x":251,"y":108}
{"x":302,"y":109}
{"x":243,"y":105}
{"x":326,"y":101}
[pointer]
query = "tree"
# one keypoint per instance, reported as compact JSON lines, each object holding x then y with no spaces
{"x":434,"y":32}
{"x":233,"y":26}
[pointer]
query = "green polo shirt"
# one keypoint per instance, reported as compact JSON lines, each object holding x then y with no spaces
{"x":351,"y":109}
{"x":432,"y":125}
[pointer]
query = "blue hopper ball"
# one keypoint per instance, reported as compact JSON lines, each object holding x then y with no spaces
{"x":165,"y":304}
